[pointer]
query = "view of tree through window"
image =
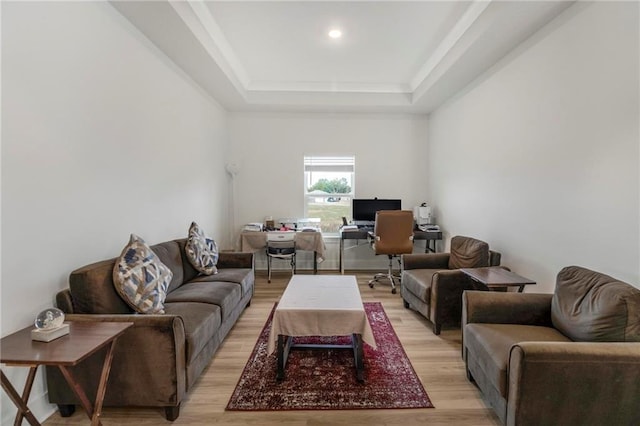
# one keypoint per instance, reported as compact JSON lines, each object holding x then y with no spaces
{"x":329,"y":189}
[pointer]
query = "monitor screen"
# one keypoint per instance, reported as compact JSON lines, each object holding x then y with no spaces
{"x":365,"y":209}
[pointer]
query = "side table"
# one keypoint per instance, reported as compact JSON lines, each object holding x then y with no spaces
{"x":497,"y":277}
{"x":83,"y":339}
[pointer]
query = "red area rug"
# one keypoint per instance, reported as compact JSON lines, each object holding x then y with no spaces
{"x":325,"y":379}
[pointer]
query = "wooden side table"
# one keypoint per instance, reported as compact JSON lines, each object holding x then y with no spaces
{"x":497,"y":277}
{"x":84,"y":339}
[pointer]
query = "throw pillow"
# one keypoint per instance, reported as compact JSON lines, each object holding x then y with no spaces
{"x":140,"y":278}
{"x":201,"y":251}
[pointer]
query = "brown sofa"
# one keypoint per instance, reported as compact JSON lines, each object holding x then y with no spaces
{"x":432,"y":283}
{"x":571,"y":358}
{"x":158,"y":360}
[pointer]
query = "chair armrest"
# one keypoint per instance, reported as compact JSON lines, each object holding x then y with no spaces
{"x":425,"y":261}
{"x":506,"y":308}
{"x":600,"y":380}
{"x":235,"y":260}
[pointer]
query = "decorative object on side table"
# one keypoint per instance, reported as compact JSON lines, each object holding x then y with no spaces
{"x":49,"y":325}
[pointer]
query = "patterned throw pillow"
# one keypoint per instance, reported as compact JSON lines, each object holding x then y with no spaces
{"x":140,"y":278}
{"x":201,"y":251}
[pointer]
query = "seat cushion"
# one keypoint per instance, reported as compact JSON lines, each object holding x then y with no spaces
{"x":242,"y":276}
{"x":418,"y":282}
{"x":201,"y":322}
{"x":468,"y":252}
{"x":225,"y":295}
{"x":490,"y":345}
{"x":589,"y":306}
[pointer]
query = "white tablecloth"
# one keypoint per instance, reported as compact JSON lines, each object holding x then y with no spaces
{"x":250,"y":241}
{"x":320,"y":305}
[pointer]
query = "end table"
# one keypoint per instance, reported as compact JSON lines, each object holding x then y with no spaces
{"x":84,"y":339}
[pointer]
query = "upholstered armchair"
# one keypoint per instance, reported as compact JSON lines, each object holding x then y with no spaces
{"x":568,"y":358}
{"x":432,"y":283}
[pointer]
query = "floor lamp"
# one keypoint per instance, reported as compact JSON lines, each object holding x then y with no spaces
{"x":232,"y":170}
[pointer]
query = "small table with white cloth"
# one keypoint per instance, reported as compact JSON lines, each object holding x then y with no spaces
{"x":320,"y":305}
{"x":251,"y":241}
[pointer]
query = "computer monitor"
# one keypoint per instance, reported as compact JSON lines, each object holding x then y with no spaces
{"x":365,"y":209}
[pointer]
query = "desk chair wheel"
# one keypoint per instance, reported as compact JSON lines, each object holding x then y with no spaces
{"x":371,"y":285}
{"x":393,"y":291}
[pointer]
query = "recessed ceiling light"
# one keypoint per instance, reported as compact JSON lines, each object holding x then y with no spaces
{"x":335,"y":33}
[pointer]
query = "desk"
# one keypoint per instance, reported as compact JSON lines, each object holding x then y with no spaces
{"x":496,"y":277}
{"x":83,"y":340}
{"x":252,"y":241}
{"x":363,"y":234}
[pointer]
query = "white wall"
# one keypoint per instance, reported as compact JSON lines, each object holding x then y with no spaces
{"x":540,"y":157}
{"x":269,"y":149}
{"x":101,"y":137}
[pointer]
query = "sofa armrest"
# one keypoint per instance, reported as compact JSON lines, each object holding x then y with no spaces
{"x":235,"y":260}
{"x":601,"y":381}
{"x":506,"y":308}
{"x":149,"y":363}
{"x":64,"y":301}
{"x":425,"y":261}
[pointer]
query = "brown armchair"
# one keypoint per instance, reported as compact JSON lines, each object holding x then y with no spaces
{"x":568,"y":358}
{"x":432,"y":283}
{"x":393,"y":237}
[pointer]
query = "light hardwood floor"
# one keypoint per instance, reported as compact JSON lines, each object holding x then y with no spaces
{"x":436,"y":360}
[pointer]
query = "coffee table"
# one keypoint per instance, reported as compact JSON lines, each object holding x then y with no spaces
{"x":320,"y":305}
{"x":84,"y":339}
{"x":497,"y":277}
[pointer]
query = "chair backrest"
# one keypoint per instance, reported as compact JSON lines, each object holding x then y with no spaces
{"x":589,"y":306}
{"x":393,"y":230}
{"x":467,"y":252}
{"x":282,"y":236}
{"x":281,"y":242}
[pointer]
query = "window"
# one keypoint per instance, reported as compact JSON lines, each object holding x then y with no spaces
{"x":328,"y":189}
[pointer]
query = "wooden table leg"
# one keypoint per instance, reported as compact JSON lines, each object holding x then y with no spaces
{"x":21,"y":402}
{"x":358,"y":355}
{"x":284,"y":346}
{"x":94,"y":411}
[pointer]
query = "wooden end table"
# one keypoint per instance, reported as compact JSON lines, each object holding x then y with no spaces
{"x":496,"y":277}
{"x":84,"y":339}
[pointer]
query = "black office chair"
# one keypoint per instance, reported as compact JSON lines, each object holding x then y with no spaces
{"x":393,"y":236}
{"x":281,"y":245}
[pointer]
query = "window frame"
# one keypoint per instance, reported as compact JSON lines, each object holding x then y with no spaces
{"x":328,"y":164}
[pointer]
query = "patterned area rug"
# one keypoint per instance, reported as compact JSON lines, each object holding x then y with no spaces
{"x":324,"y":379}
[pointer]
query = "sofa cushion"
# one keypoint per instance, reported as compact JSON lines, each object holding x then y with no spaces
{"x":201,"y":250}
{"x":590,"y":306}
{"x":169,"y":254}
{"x":468,"y":252}
{"x":243,"y":276}
{"x":224,"y":294}
{"x":201,"y":323}
{"x":490,"y":345}
{"x":418,"y":282}
{"x":140,"y":278}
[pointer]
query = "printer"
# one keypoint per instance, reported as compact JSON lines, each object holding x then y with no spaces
{"x":422,"y":215}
